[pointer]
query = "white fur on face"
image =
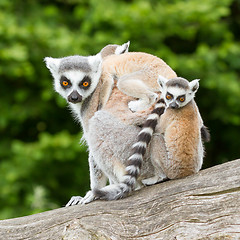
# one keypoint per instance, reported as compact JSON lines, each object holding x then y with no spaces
{"x":75,"y":68}
{"x":76,"y":77}
{"x":176,"y":92}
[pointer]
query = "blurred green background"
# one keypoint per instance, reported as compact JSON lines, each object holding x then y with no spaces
{"x":41,"y":161}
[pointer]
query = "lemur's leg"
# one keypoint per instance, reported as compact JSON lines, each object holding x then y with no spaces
{"x":117,"y":176}
{"x":97,"y":180}
{"x":158,"y":156}
{"x":97,"y":177}
{"x":132,"y":85}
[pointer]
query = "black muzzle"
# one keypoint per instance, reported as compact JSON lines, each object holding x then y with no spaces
{"x":74,"y":97}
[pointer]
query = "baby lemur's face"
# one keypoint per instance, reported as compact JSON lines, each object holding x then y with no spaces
{"x":177,"y":92}
{"x":75,"y":77}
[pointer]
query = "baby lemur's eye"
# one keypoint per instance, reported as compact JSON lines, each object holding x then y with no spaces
{"x":85,"y":84}
{"x":168,"y":97}
{"x":181,"y":98}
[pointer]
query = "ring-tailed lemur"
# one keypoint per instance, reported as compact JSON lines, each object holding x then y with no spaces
{"x":76,"y":77}
{"x":112,"y":130}
{"x":182,"y":128}
{"x":134,"y":78}
{"x":176,"y":94}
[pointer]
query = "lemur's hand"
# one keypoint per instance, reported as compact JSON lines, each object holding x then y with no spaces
{"x":75,"y":200}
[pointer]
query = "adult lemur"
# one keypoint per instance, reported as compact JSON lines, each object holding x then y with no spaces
{"x":110,"y":127}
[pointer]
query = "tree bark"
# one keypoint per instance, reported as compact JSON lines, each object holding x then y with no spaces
{"x":202,"y":206}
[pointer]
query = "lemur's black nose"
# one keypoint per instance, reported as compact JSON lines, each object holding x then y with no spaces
{"x":74,"y":97}
{"x":174,"y":105}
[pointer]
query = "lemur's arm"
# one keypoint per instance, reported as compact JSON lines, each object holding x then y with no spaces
{"x":97,"y":180}
{"x":132,"y":84}
{"x":106,"y":88}
{"x":123,"y":112}
{"x":108,"y":81}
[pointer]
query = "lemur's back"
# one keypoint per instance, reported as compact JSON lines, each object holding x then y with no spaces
{"x":148,"y":66}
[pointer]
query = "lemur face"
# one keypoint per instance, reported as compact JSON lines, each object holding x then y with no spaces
{"x":75,"y":77}
{"x":177,"y":92}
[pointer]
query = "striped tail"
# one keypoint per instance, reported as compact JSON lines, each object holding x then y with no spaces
{"x":129,"y":180}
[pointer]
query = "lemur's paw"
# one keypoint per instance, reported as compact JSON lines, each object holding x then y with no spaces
{"x":138,"y":105}
{"x":89,"y":197}
{"x":75,"y":200}
{"x":153,"y":180}
{"x":143,"y":104}
{"x":152,"y":98}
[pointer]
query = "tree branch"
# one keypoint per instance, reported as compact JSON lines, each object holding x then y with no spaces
{"x":202,"y":206}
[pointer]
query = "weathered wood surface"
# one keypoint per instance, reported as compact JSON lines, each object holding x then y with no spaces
{"x":202,"y":206}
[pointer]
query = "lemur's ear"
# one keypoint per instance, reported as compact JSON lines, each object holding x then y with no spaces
{"x":122,"y":49}
{"x":52,"y":64}
{"x":194,"y":85}
{"x":162,"y":82}
{"x":95,"y":62}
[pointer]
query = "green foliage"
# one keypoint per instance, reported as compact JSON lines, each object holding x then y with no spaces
{"x":34,"y":174}
{"x":41,"y":161}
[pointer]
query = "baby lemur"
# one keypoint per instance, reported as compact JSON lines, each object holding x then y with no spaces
{"x":110,"y":128}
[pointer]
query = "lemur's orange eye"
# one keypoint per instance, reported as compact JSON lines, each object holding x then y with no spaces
{"x":85,"y":84}
{"x":181,"y":99}
{"x":65,"y":83}
{"x":168,"y":96}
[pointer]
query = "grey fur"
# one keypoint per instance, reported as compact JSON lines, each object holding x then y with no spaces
{"x":114,"y":49}
{"x":178,"y":82}
{"x":85,"y":104}
{"x":108,"y":50}
{"x":74,"y":63}
{"x":135,"y":161}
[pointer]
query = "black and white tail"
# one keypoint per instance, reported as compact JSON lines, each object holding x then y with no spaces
{"x":128,"y":183}
{"x":205,"y":134}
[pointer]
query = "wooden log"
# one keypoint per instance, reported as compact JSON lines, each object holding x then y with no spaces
{"x":202,"y":206}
